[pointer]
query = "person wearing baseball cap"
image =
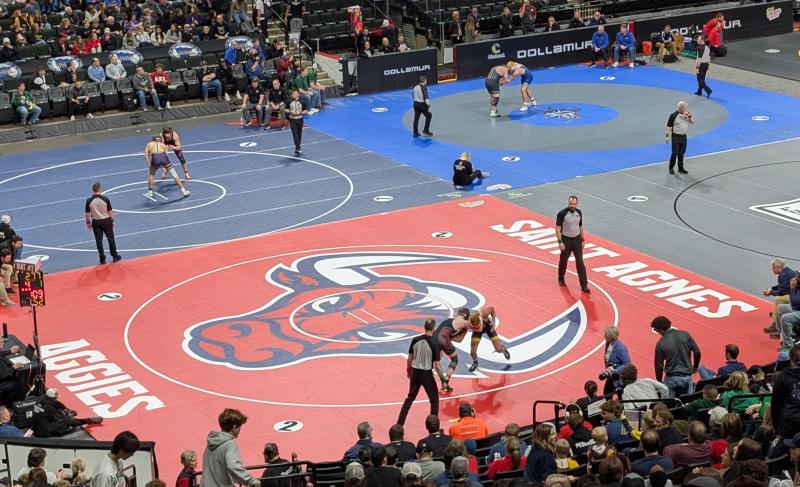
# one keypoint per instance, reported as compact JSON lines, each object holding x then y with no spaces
{"x":354,"y":475}
{"x":459,"y":470}
{"x":430,"y":468}
{"x":412,"y":474}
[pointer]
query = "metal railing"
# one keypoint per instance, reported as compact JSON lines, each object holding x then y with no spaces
{"x":302,"y":472}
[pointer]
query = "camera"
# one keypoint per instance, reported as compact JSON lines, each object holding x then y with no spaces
{"x":603,"y":376}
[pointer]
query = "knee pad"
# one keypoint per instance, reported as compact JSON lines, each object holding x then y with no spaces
{"x":179,"y":153}
{"x":173,"y":173}
{"x":453,"y":362}
{"x":476,"y":339}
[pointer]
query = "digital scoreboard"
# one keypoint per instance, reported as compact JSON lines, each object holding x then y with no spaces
{"x":31,"y":288}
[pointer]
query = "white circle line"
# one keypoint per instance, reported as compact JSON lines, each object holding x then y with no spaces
{"x":223,"y":193}
{"x":126,"y":337}
{"x":176,"y":247}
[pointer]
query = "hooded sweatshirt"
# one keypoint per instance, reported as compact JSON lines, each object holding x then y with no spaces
{"x":786,"y":402}
{"x":222,"y":462}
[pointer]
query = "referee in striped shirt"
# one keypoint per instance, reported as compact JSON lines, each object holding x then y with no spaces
{"x":422,"y":106}
{"x":423,"y":358}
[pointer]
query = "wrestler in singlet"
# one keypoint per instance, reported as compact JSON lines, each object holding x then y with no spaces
{"x":526,"y":79}
{"x":156,"y":157}
{"x":483,"y":322}
{"x":497,"y":76}
{"x":172,"y":139}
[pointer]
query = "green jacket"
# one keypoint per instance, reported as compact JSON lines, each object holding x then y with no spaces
{"x":694,"y":407}
{"x":737,"y":406}
{"x":26,"y":99}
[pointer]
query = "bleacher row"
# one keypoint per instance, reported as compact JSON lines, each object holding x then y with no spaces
{"x":332,"y":474}
{"x":108,"y":95}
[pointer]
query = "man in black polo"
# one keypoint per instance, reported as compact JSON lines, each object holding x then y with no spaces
{"x":673,"y":352}
{"x":677,"y":126}
{"x":253,"y":100}
{"x":423,"y":358}
{"x":569,"y":232}
{"x":100,"y":218}
{"x":422,"y":106}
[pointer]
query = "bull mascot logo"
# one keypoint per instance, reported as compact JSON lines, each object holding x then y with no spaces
{"x":339,"y":304}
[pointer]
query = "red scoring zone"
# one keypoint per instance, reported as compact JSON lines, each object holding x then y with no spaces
{"x":520,"y":288}
{"x":525,"y":294}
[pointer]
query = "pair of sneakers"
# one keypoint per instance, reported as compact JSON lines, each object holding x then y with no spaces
{"x":527,"y":104}
{"x":474,"y":366}
{"x":149,"y":194}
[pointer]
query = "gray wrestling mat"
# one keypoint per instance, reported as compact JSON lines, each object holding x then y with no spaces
{"x":622,"y":113}
{"x":726,"y":219}
{"x":775,"y":56}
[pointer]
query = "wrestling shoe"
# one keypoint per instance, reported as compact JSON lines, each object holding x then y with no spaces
{"x":446,"y":386}
{"x":524,"y":107}
{"x":185,"y":192}
{"x":494,"y":115}
{"x":616,"y":65}
{"x":149,"y":194}
{"x":474,"y":366}
{"x":630,"y":65}
{"x":533,"y":102}
{"x":485,"y":174}
{"x":506,"y":354}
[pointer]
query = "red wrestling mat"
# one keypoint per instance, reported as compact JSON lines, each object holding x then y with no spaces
{"x":305,"y":331}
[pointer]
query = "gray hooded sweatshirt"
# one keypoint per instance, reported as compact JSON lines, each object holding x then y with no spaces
{"x":222,"y":462}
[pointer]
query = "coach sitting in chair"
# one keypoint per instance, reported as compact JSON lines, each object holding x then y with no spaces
{"x":666,"y":42}
{"x":625,"y":46}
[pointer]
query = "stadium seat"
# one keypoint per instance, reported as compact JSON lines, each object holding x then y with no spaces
{"x":341,"y":16}
{"x":41,"y":100}
{"x":177,"y":87}
{"x":325,"y":31}
{"x":576,"y":472}
{"x":315,"y":6}
{"x":311,"y":33}
{"x":240,"y":79}
{"x":312,"y":19}
{"x":9,"y":85}
{"x":329,"y":5}
{"x":7,"y":113}
{"x":192,"y":83}
{"x":58,"y":101}
{"x":194,"y":61}
{"x":26,"y":52}
{"x":149,"y":66}
{"x":108,"y":89}
{"x":210,"y":58}
{"x":41,"y":51}
{"x":325,"y":18}
{"x":178,"y":64}
{"x":95,"y":98}
{"x":130,"y":69}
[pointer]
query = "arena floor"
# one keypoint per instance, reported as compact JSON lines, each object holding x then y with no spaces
{"x":289,"y":288}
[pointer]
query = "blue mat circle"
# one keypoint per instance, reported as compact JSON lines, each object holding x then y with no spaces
{"x":559,"y":114}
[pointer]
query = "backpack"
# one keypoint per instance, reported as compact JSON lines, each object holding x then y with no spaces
{"x":721,"y":51}
{"x":670,"y":58}
{"x":127,"y":102}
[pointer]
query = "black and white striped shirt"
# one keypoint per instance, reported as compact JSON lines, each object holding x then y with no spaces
{"x":425,"y":351}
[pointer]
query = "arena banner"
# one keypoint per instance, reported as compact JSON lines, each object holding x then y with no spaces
{"x":534,"y":50}
{"x":128,"y":56}
{"x":184,"y":50}
{"x":396,"y":71}
{"x":9,"y":71}
{"x":59,"y":64}
{"x":759,"y":20}
{"x":244,"y":43}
